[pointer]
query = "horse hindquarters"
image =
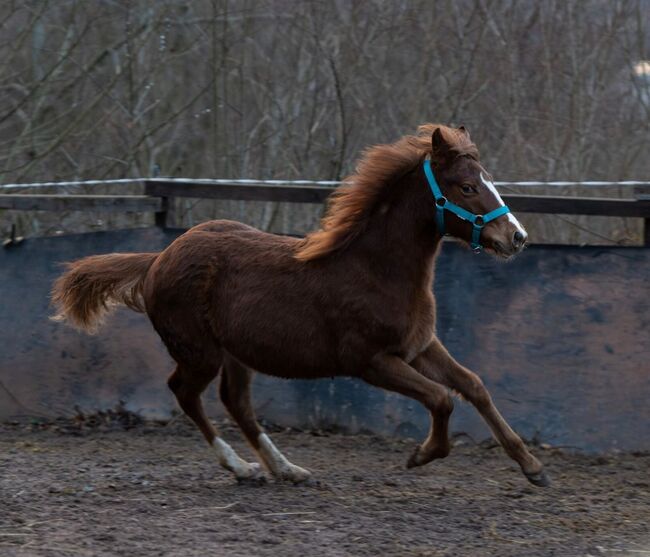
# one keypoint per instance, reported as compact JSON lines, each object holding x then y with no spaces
{"x":187,"y":305}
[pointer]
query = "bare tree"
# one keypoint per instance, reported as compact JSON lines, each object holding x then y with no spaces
{"x":282,"y":89}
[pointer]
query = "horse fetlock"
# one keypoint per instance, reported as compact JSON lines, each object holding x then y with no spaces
{"x":278,"y":464}
{"x":232,"y":462}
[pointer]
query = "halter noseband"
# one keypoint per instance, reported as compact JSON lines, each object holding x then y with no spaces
{"x":442,"y":203}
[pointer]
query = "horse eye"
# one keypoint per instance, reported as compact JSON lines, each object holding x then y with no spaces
{"x":466,"y":188}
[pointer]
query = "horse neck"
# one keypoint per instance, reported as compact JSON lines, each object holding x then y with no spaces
{"x":400,"y":241}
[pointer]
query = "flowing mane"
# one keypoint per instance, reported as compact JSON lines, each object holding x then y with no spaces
{"x":350,"y":206}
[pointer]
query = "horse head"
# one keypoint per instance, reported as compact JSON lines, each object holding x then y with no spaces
{"x":466,"y":203}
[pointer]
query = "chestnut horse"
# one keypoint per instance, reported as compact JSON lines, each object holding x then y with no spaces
{"x":351,"y":299}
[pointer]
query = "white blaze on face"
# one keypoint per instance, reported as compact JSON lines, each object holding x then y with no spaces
{"x":490,"y":186}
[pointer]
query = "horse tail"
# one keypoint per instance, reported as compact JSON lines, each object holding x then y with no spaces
{"x":91,"y":286}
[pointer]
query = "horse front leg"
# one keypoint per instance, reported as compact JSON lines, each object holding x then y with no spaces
{"x":437,"y":364}
{"x":394,"y":374}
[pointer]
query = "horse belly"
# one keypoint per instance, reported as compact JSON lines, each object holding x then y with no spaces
{"x":286,"y":365}
{"x":275,"y":330}
{"x":274,"y":352}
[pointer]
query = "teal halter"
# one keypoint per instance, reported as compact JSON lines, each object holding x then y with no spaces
{"x":442,"y":203}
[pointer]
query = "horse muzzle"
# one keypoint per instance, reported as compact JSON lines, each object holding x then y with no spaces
{"x":509,"y":245}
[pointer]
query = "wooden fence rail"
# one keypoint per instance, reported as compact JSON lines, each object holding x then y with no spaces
{"x":158,"y":192}
{"x":107,"y":203}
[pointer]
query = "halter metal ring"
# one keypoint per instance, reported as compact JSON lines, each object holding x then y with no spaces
{"x":441,"y":201}
{"x":479,"y":221}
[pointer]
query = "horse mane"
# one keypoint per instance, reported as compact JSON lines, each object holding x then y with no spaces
{"x":352,"y":203}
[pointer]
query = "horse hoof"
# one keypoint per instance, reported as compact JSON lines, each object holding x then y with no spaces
{"x":254,"y":475}
{"x":412,"y":462}
{"x":296,"y":474}
{"x":416,"y":458}
{"x":540,"y":479}
{"x":420,"y":457}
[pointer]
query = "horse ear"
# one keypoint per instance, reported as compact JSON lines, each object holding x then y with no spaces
{"x":464,"y":130}
{"x":440,"y":148}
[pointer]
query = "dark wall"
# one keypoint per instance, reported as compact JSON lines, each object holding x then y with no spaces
{"x":560,"y":337}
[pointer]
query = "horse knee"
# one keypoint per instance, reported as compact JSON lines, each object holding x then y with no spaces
{"x":441,"y":404}
{"x":476,"y":392}
{"x":446,"y":405}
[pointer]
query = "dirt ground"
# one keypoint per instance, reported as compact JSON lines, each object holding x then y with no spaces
{"x":156,"y":490}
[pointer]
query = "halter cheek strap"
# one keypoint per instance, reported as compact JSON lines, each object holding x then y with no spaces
{"x":442,"y":204}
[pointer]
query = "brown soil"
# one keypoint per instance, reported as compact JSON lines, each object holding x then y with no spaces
{"x":156,"y":490}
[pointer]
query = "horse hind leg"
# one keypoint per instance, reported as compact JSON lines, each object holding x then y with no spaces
{"x":235,"y":395}
{"x":187,"y":383}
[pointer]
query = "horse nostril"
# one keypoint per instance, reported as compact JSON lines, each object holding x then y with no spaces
{"x":518,"y":239}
